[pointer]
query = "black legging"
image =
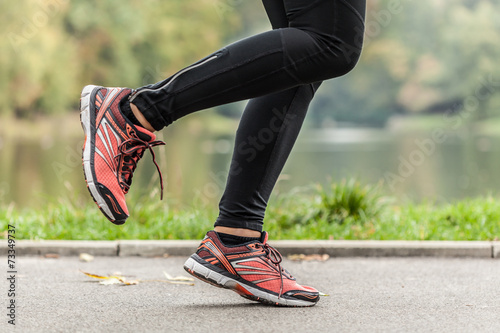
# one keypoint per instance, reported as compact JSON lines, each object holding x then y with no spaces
{"x":280,"y":70}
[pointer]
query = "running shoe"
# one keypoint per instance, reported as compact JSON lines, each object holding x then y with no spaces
{"x":112,"y":148}
{"x":253,"y":270}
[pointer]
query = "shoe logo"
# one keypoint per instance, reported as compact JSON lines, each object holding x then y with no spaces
{"x":257,"y":267}
{"x":309,"y":296}
{"x":110,"y":95}
{"x":212,"y":248}
{"x":111,"y":141}
{"x":113,"y":203}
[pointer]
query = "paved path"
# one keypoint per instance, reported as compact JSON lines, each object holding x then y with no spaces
{"x":367,"y":295}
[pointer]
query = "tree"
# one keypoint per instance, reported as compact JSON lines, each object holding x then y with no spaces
{"x":52,"y":48}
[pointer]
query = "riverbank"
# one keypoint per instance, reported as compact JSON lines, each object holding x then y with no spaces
{"x":347,"y":211}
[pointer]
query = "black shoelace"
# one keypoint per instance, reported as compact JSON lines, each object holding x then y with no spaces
{"x":134,"y":152}
{"x":276,"y":259}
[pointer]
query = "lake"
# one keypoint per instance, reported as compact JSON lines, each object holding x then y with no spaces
{"x":437,"y":164}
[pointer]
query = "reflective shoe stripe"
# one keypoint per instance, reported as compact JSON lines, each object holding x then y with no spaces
{"x":212,"y":248}
{"x":201,"y":63}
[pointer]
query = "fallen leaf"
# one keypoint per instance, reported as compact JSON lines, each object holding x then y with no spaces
{"x":110,"y":281}
{"x":51,"y":255}
{"x":323,"y":294}
{"x":128,"y":282}
{"x":178,"y":280}
{"x":117,"y":278}
{"x":120,"y":279}
{"x":85,"y":257}
{"x":95,"y":276}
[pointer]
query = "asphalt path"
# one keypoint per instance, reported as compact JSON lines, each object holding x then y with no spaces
{"x":366,"y":295}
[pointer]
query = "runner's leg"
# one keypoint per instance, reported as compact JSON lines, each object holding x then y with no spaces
{"x":323,"y":40}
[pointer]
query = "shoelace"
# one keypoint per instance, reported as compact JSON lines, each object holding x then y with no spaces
{"x":276,"y":259}
{"x":135,"y":152}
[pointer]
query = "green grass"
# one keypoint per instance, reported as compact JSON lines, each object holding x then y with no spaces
{"x":346,"y":210}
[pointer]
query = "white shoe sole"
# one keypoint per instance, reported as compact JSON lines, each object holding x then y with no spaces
{"x":86,"y":153}
{"x":207,"y":275}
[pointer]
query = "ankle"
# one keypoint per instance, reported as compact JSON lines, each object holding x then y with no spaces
{"x":141,"y":119}
{"x":241,"y":232}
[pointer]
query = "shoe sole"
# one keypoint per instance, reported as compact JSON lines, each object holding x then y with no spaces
{"x":87,"y":119}
{"x":202,"y":272}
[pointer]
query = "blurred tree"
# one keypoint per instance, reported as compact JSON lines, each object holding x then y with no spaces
{"x":54,"y":47}
{"x":425,"y":56}
{"x":429,"y":56}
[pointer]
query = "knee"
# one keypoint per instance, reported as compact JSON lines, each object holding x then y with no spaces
{"x":342,"y":51}
{"x":346,"y":58}
{"x":337,"y":55}
{"x":312,"y":57}
{"x":339,"y":60}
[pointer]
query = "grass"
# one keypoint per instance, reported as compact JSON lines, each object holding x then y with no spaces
{"x":345,"y":210}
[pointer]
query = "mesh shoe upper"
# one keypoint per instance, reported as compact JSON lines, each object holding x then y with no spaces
{"x":255,"y":263}
{"x":112,"y":148}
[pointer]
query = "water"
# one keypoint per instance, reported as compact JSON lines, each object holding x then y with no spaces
{"x":412,"y":165}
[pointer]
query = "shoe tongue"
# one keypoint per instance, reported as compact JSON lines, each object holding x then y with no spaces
{"x":144,"y":134}
{"x":263,"y":237}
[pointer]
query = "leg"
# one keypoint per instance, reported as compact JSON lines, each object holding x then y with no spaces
{"x":281,"y":69}
{"x":230,"y":219}
{"x":230,"y":257}
{"x":265,"y":137}
{"x":322,"y":40}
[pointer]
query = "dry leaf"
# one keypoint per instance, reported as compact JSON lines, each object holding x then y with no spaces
{"x":128,"y":282}
{"x":310,"y":257}
{"x":51,"y":255}
{"x":110,"y":278}
{"x":110,"y":281}
{"x":95,"y":276}
{"x":85,"y":257}
{"x":178,"y":279}
{"x":117,"y":278}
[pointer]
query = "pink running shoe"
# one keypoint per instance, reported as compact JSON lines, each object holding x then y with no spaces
{"x":253,"y":270}
{"x":112,"y":148}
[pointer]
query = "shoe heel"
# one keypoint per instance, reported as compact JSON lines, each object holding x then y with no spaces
{"x":87,"y":90}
